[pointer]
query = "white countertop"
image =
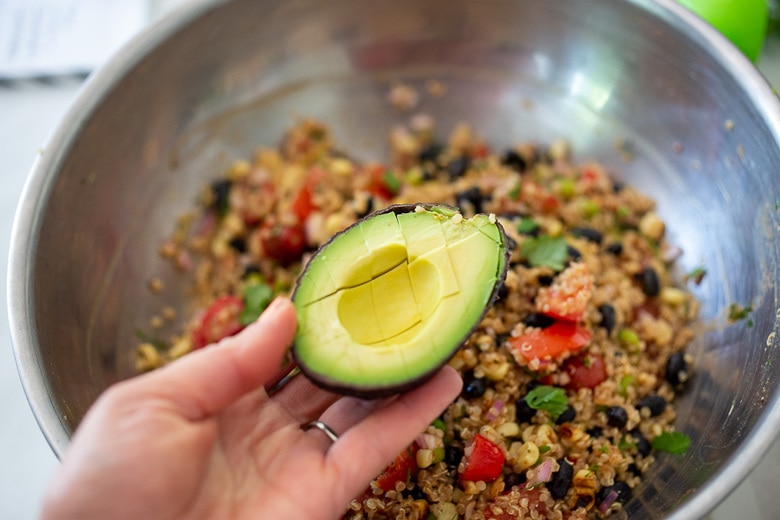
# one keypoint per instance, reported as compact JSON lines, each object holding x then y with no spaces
{"x":29,"y":112}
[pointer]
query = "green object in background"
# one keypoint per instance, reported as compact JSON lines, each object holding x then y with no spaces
{"x":744,"y":22}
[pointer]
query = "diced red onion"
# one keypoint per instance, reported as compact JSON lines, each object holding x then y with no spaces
{"x":495,"y":410}
{"x":608,"y":501}
{"x":542,"y":473}
{"x":426,"y":441}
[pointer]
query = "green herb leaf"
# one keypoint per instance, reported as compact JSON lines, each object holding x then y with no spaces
{"x":514,"y":192}
{"x":545,"y":251}
{"x":544,"y":448}
{"x":527,"y":225}
{"x":391,"y":182}
{"x":626,"y":381}
{"x":155,"y":342}
{"x":257,"y":296}
{"x":671,"y":442}
{"x":738,"y":312}
{"x":697,"y":275}
{"x":550,"y":399}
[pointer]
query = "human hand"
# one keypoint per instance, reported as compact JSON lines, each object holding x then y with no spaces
{"x":201,"y":438}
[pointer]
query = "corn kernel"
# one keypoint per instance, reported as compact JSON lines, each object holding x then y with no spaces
{"x":523,"y":455}
{"x":424,"y":458}
{"x":652,"y":226}
{"x":508,"y":429}
{"x":147,"y":358}
{"x":672,"y":295}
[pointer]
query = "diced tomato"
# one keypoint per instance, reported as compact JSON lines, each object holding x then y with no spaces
{"x":303,"y":202}
{"x":584,"y":371}
{"x":379,"y":184}
{"x":568,"y":296}
{"x":401,"y":469}
{"x":283,"y":243}
{"x":485,"y":461}
{"x":549,"y":343}
{"x":219,"y":321}
{"x":258,"y":200}
{"x":302,"y":205}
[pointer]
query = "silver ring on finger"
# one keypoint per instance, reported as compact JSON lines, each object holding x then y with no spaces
{"x":324,"y":428}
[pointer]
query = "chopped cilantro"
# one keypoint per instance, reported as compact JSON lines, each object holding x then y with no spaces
{"x":514,"y":192}
{"x":671,"y":442}
{"x":697,"y":275}
{"x":391,"y":182}
{"x":544,"y":448}
{"x":156,"y":343}
{"x":548,"y":398}
{"x":545,"y":251}
{"x":257,"y":296}
{"x":527,"y":225}
{"x":626,"y":443}
{"x":738,"y":312}
{"x":626,"y":381}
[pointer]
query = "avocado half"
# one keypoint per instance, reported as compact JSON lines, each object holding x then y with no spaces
{"x":386,"y":302}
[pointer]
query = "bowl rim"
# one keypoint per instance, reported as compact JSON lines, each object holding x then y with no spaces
{"x":40,"y":180}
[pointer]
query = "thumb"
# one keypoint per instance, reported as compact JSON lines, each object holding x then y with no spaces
{"x":206,"y":381}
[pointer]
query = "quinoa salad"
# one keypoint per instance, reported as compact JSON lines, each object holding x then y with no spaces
{"x":569,"y":380}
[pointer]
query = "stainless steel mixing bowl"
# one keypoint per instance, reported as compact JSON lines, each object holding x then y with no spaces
{"x":207,"y":85}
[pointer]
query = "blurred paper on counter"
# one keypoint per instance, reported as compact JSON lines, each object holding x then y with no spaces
{"x":46,"y":38}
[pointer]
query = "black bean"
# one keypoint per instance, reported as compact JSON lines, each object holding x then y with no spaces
{"x":590,"y":234}
{"x":470,"y":197}
{"x":595,"y":431}
{"x":561,"y":479}
{"x":608,"y":317}
{"x":583,"y":501}
{"x":634,"y":469}
{"x":523,"y":412}
{"x":536,"y":319}
{"x":651,"y":286}
{"x":676,"y":369}
{"x":239,"y":244}
{"x":621,"y":488}
{"x":473,"y":387}
{"x":221,"y":192}
{"x":545,"y":280}
{"x":568,"y":415}
{"x":617,"y":416}
{"x":615,"y":248}
{"x":417,"y":493}
{"x":655,"y":403}
{"x":250,"y":270}
{"x":452,"y":455}
{"x":368,"y":208}
{"x":457,"y":167}
{"x":643,"y":446}
{"x":514,"y":160}
{"x":430,"y":152}
{"x":574,"y":253}
{"x":514,"y":479}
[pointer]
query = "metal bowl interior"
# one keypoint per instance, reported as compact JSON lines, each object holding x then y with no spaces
{"x":216,"y":80}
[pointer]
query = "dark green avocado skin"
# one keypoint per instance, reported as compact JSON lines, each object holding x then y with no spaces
{"x":381,"y":391}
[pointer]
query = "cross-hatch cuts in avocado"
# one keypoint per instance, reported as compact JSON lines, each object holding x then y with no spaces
{"x":389,"y":300}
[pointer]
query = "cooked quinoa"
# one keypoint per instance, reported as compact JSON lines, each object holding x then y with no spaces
{"x":570,"y":379}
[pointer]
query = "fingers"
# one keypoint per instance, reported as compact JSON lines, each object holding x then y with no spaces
{"x":365,"y":449}
{"x":303,"y":399}
{"x":208,"y":380}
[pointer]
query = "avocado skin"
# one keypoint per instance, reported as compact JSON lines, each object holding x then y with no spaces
{"x":380,"y":391}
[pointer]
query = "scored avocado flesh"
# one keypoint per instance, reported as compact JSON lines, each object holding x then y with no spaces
{"x":389,"y":300}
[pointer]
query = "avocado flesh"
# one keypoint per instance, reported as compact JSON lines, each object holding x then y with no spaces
{"x":389,"y":300}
